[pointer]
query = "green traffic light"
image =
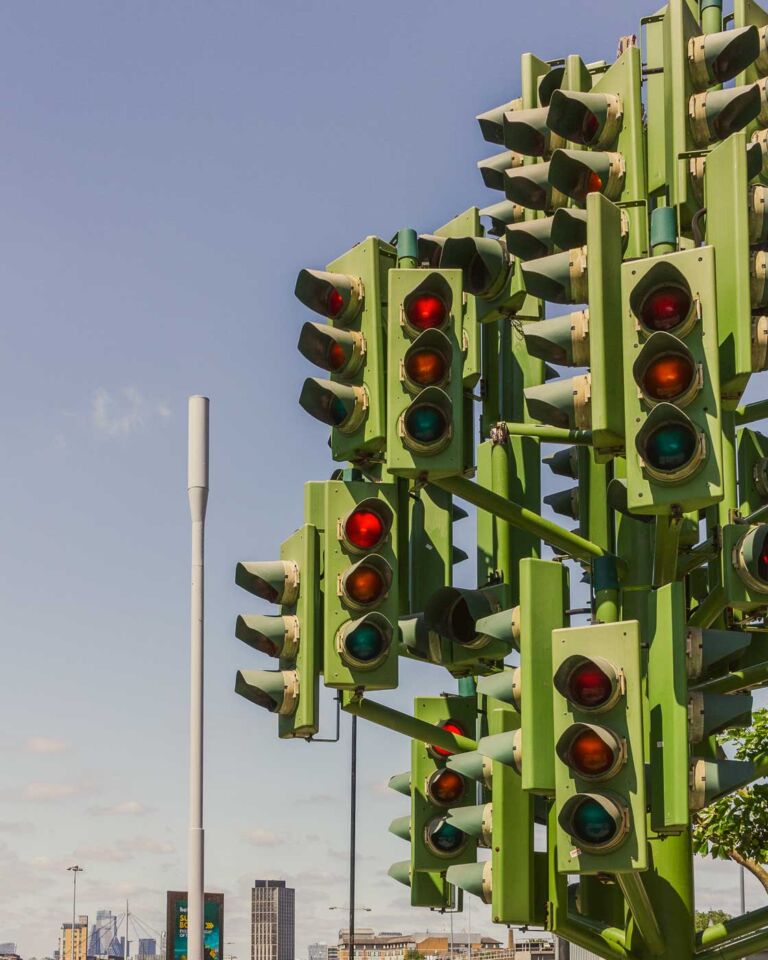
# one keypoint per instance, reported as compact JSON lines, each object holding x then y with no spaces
{"x":593,"y":823}
{"x":670,"y":446}
{"x":365,"y":643}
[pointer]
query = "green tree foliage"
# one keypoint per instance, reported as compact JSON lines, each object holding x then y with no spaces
{"x":709,"y":918}
{"x":736,"y":827}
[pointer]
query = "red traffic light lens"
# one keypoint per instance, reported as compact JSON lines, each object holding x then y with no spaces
{"x":590,"y":126}
{"x":452,"y":727}
{"x":446,"y":787}
{"x":364,"y":529}
{"x":426,"y":311}
{"x":590,"y":754}
{"x":668,"y":376}
{"x":426,"y":367}
{"x":364,"y":585}
{"x":334,"y":302}
{"x":594,"y":183}
{"x":593,"y":824}
{"x":762,"y":562}
{"x":665,"y":308}
{"x":589,"y":686}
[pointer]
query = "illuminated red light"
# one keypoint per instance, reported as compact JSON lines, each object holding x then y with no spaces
{"x":426,"y":311}
{"x":447,"y":786}
{"x":665,"y":308}
{"x":364,"y":529}
{"x":590,"y":686}
{"x":451,"y":727}
{"x":334,"y":302}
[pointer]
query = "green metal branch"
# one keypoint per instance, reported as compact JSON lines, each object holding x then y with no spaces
{"x":730,"y":929}
{"x":604,"y":941}
{"x":737,"y":949}
{"x":639,"y":903}
{"x":550,"y":434}
{"x":709,"y":609}
{"x":667,"y":541}
{"x":695,"y":557}
{"x":751,"y":412}
{"x":753,"y":676}
{"x":521,"y":517}
{"x":406,"y":724}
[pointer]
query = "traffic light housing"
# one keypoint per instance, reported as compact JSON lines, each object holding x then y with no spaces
{"x":590,"y":274}
{"x":361,"y":606}
{"x":672,"y":387}
{"x":599,"y":771}
{"x":680,"y":657}
{"x":351,"y":296}
{"x":435,"y":843}
{"x":292,"y":636}
{"x":425,"y":413}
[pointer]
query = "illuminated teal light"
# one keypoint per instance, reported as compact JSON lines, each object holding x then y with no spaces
{"x":593,"y":824}
{"x":670,"y":446}
{"x":425,"y":424}
{"x":365,"y":643}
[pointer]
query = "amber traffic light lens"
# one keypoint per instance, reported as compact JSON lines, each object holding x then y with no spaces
{"x":365,"y":584}
{"x":668,"y":376}
{"x":590,"y":754}
{"x":446,"y":787}
{"x":426,"y":367}
{"x":426,"y":311}
{"x":337,"y":359}
{"x":665,"y":308}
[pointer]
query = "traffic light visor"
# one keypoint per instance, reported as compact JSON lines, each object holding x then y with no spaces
{"x":591,"y":119}
{"x":483,"y":261}
{"x":332,"y":349}
{"x":334,"y":295}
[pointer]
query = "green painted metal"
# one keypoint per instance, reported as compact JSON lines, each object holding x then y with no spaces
{"x":619,"y":644}
{"x":425,"y":764}
{"x":368,"y":262}
{"x":341,"y":614}
{"x":745,"y":947}
{"x":550,"y":434}
{"x":752,"y":458}
{"x":730,"y":929}
{"x":539,"y":579}
{"x":404,"y":723}
{"x":751,"y":412}
{"x":642,"y":911}
{"x":410,"y":453}
{"x":292,"y":690}
{"x":518,"y":516}
{"x":744,"y":679}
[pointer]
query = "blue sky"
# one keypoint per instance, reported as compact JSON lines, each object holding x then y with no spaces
{"x":166,"y":170}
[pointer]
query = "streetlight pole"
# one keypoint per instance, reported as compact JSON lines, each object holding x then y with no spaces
{"x":352,"y":837}
{"x":75,"y":870}
{"x":197,"y":490}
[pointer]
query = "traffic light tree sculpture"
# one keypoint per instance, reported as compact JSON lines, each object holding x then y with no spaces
{"x":611,"y":300}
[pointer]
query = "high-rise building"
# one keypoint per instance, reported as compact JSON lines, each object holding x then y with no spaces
{"x":147,"y":949}
{"x":272,"y":921}
{"x":103,"y":939}
{"x":80,"y":951}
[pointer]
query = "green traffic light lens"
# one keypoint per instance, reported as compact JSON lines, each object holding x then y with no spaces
{"x":425,"y":424}
{"x":337,"y":411}
{"x":670,"y":446}
{"x":593,"y":824}
{"x":445,"y":838}
{"x":365,"y":643}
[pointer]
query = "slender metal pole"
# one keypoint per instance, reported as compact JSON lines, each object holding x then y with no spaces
{"x":125,"y":945}
{"x":352,"y":836}
{"x":742,"y":891}
{"x":75,"y":870}
{"x":197,"y":491}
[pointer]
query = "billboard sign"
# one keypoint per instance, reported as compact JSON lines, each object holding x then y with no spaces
{"x":176,"y":925}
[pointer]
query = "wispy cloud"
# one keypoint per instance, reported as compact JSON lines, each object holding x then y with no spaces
{"x":126,"y":412}
{"x":263,"y":838}
{"x":42,"y":791}
{"x":16,"y":826}
{"x":123,"y":850}
{"x":45,"y":745}
{"x":126,"y":808}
